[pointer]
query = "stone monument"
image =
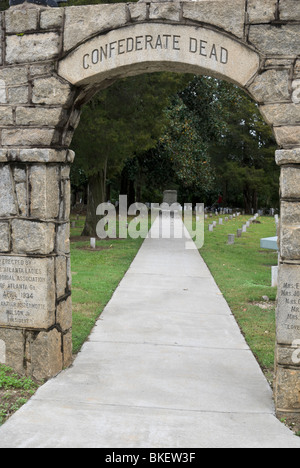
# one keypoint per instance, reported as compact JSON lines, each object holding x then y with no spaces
{"x":170,"y":197}
{"x":53,"y":60}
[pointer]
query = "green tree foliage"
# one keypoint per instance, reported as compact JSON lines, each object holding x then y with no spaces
{"x":243,"y":155}
{"x":4,"y":4}
{"x":120,"y":120}
{"x":215,"y":141}
{"x":187,"y":148}
{"x":193,"y":121}
{"x":147,"y":175}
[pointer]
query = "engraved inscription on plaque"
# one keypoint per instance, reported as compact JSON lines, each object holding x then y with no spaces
{"x":26,"y":294}
{"x":288,"y":320}
{"x":290,"y":296}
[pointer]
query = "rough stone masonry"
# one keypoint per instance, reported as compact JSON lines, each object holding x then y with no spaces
{"x":53,"y":60}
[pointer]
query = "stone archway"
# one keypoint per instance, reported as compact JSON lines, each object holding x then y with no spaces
{"x":54,"y":60}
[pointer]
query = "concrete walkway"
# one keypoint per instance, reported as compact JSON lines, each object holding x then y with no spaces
{"x":165,"y":367}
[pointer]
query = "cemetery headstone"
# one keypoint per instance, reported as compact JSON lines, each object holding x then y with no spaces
{"x":231,"y":238}
{"x":170,"y":197}
{"x":274,"y":276}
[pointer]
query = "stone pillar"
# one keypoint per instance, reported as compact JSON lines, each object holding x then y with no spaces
{"x":287,"y":361}
{"x":35,"y":279}
{"x":285,"y":118}
{"x":37,"y":120}
{"x":277,"y":90}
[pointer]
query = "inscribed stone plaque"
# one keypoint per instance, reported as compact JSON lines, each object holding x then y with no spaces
{"x":27,"y":292}
{"x":288,"y":310}
{"x":148,"y":48}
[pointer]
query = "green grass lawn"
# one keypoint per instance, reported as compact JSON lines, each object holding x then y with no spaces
{"x":243,"y":274}
{"x":95,"y":276}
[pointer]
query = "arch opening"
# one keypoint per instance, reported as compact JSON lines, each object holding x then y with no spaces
{"x":143,"y":200}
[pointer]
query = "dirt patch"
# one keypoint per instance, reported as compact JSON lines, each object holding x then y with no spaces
{"x":79,"y":239}
{"x":87,"y":239}
{"x":11,"y":401}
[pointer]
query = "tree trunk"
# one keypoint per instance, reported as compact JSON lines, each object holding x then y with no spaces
{"x":255,"y":201}
{"x":225,"y":187}
{"x":108,"y":191}
{"x":139,"y":184}
{"x":96,"y":195}
{"x":247,"y":199}
{"x":131,"y":192}
{"x":124,"y":182}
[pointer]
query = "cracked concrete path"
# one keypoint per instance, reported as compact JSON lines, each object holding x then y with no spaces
{"x":165,"y":367}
